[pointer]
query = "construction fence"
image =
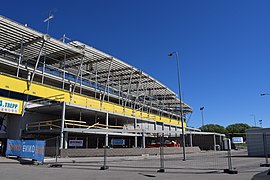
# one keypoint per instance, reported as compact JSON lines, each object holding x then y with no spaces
{"x":161,"y":154}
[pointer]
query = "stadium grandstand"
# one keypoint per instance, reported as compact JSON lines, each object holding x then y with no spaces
{"x":52,"y":88}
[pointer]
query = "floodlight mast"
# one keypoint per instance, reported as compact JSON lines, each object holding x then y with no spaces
{"x":181,"y":105}
{"x":47,"y":20}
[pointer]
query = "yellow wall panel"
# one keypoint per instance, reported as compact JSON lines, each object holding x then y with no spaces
{"x":93,"y":103}
{"x":128,"y":112}
{"x":43,"y":91}
{"x":118,"y":109}
{"x":137,"y":114}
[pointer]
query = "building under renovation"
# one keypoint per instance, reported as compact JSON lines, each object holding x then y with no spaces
{"x":88,"y":98}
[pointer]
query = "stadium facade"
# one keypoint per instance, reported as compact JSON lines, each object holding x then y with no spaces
{"x":51,"y":88}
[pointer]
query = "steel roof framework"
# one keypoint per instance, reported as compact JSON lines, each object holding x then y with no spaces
{"x":87,"y":66}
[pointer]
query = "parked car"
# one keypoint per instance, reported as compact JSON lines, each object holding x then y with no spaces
{"x":265,"y":175}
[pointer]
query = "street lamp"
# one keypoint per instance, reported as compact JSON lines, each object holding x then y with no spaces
{"x":181,"y":106}
{"x":254,"y":119}
{"x":201,"y":109}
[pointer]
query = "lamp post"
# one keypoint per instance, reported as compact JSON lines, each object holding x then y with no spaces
{"x":263,"y":94}
{"x":254,"y":119}
{"x":181,"y":106}
{"x":201,"y":109}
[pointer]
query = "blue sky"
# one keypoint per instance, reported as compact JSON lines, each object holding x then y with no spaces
{"x":224,"y":46}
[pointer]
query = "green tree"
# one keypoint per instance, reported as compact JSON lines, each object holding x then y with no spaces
{"x":238,"y":128}
{"x":213,"y":128}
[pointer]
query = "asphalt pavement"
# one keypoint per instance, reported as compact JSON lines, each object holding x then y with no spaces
{"x":199,"y":166}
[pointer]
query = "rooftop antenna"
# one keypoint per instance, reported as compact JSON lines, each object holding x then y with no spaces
{"x":47,"y":20}
{"x":64,"y":38}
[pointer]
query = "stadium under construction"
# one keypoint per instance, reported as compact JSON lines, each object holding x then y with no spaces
{"x":51,"y":88}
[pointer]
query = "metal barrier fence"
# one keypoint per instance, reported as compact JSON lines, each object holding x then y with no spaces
{"x":258,"y":145}
{"x":52,"y":147}
{"x":162,"y":154}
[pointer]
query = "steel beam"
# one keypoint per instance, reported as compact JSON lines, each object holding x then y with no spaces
{"x":130,"y":79}
{"x":107,"y":82}
{"x":45,"y":38}
{"x":77,"y":77}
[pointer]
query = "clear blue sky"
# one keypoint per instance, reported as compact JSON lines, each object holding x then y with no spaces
{"x":224,"y":46}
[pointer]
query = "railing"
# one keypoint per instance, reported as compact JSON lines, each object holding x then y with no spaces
{"x":55,"y":124}
{"x":43,"y":125}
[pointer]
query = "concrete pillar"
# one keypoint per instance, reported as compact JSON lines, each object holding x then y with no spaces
{"x":62,"y":125}
{"x":86,"y":142}
{"x":163,"y":128}
{"x":220,"y":143}
{"x":107,"y":133}
{"x":66,"y":140}
{"x":143,"y":140}
{"x":13,"y":126}
{"x":215,"y":143}
{"x":97,"y":142}
{"x":135,"y":138}
{"x":191,"y":140}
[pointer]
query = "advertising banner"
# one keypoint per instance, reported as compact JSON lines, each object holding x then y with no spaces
{"x":14,"y":147}
{"x":12,"y":106}
{"x":118,"y":142}
{"x":75,"y":143}
{"x":32,"y":149}
{"x":237,"y":140}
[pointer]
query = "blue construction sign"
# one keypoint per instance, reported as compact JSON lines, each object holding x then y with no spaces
{"x":32,"y":149}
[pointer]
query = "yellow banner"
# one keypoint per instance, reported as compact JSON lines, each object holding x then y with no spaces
{"x":12,"y":106}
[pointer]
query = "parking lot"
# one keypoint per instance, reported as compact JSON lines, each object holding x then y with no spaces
{"x":200,"y":166}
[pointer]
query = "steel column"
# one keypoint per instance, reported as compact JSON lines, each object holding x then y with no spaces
{"x":62,"y":125}
{"x":107,"y":127}
{"x":135,"y":138}
{"x":66,"y":140}
{"x":20,"y":58}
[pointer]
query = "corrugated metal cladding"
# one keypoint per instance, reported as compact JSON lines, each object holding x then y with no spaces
{"x":258,"y":141}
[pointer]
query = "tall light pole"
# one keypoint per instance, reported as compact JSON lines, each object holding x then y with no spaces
{"x":263,"y":94}
{"x":181,"y":106}
{"x":201,"y":109}
{"x":254,"y":119}
{"x":47,"y":20}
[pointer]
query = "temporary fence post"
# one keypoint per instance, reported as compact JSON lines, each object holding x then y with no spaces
{"x":56,"y":154}
{"x":161,"y":154}
{"x":227,"y":146}
{"x":265,"y":151}
{"x":104,"y":167}
{"x":56,"y":149}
